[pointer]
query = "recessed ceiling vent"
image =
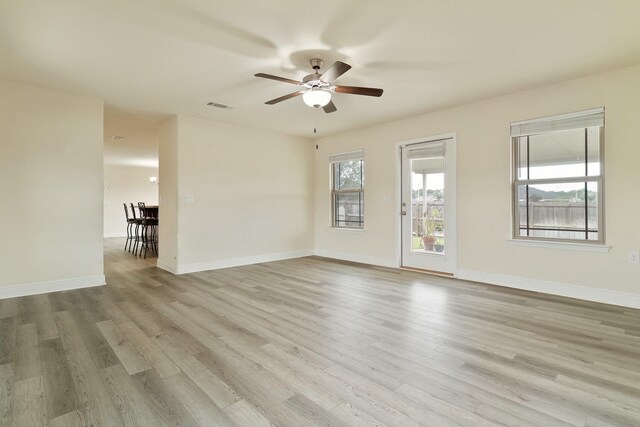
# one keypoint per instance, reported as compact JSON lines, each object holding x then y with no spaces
{"x":217,"y":105}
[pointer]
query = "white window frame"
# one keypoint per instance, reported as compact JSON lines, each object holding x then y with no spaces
{"x":577,"y":120}
{"x":333,"y":161}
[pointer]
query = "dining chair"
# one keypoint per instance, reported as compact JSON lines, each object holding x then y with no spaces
{"x":130,"y":223}
{"x":148,"y":231}
{"x":137,"y":236}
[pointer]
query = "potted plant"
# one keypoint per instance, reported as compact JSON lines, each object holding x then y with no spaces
{"x":440,"y":240}
{"x":429,"y":238}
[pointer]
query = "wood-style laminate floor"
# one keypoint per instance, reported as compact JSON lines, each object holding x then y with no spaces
{"x":312,"y":342}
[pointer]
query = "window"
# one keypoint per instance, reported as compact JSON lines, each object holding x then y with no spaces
{"x":347,"y":190}
{"x":558,"y":177}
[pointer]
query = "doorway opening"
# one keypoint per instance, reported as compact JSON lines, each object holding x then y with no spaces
{"x":131,"y":183}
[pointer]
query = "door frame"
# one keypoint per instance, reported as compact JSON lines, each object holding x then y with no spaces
{"x":453,"y":229}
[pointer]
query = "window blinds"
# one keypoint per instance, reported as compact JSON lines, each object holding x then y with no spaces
{"x":431,"y":150}
{"x":581,"y":119}
{"x":345,"y":157}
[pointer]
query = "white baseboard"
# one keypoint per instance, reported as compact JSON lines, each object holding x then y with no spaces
{"x":356,"y":258}
{"x":562,"y":289}
{"x":108,"y":235}
{"x":171,"y":268}
{"x":12,"y":291}
{"x":236,"y":262}
{"x":622,"y":299}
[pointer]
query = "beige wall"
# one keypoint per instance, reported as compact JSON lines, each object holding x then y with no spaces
{"x":242,"y":181}
{"x":276,"y":190}
{"x":51,"y":189}
{"x":484,"y":187}
{"x":125,"y":184}
{"x":168,"y":199}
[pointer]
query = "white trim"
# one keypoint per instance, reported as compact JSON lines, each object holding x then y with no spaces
{"x":576,"y":120}
{"x":583,"y":247}
{"x":348,"y":229}
{"x":553,"y":288}
{"x":452,"y":138}
{"x":433,"y":138}
{"x":12,"y":291}
{"x":110,"y":235}
{"x":588,"y":112}
{"x":171,"y":268}
{"x":398,"y":187}
{"x":236,"y":262}
{"x":345,"y":157}
{"x":363,"y":259}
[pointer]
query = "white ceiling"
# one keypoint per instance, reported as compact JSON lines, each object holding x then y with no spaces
{"x":139,"y":146}
{"x":161,"y":57}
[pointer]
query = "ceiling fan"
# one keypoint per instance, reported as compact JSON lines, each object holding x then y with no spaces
{"x":316,"y":88}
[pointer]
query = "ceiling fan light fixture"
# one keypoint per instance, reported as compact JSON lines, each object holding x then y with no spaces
{"x":316,"y":97}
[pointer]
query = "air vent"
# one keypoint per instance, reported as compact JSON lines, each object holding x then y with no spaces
{"x":217,"y":105}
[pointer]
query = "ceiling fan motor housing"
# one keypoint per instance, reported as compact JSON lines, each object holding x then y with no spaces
{"x":316,"y":63}
{"x":313,"y":80}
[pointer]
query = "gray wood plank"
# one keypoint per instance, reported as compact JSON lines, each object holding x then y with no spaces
{"x":92,"y":393}
{"x":7,"y":339}
{"x":7,"y":380}
{"x":75,"y":418}
{"x":128,"y":355}
{"x":29,"y":407}
{"x":133,"y":406}
{"x":154,"y":356}
{"x":217,"y":390}
{"x":162,"y":400}
{"x":312,"y":341}
{"x":27,"y":360}
{"x":203,"y":409}
{"x":60,"y":391}
{"x":8,"y":307}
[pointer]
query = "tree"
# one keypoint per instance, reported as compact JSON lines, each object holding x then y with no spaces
{"x":348,"y":175}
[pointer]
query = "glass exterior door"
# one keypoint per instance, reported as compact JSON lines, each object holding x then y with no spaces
{"x":426,"y":219}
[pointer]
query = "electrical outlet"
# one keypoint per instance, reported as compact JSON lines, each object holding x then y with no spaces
{"x":634,"y":257}
{"x":245,"y":236}
{"x":188,"y":198}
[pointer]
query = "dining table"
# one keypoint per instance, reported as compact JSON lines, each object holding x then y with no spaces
{"x":152,"y":211}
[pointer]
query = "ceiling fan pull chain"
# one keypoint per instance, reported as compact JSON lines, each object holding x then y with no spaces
{"x":315,"y":127}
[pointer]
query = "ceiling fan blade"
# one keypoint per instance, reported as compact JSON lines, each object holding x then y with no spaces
{"x":355,"y":90}
{"x":280,"y":79}
{"x":330,"y":107}
{"x":336,"y":70}
{"x":285,"y":97}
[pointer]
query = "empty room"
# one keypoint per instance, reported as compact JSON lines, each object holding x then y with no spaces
{"x":339,"y":213}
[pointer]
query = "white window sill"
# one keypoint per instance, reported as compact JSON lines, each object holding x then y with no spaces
{"x":348,"y":230}
{"x":583,"y":247}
